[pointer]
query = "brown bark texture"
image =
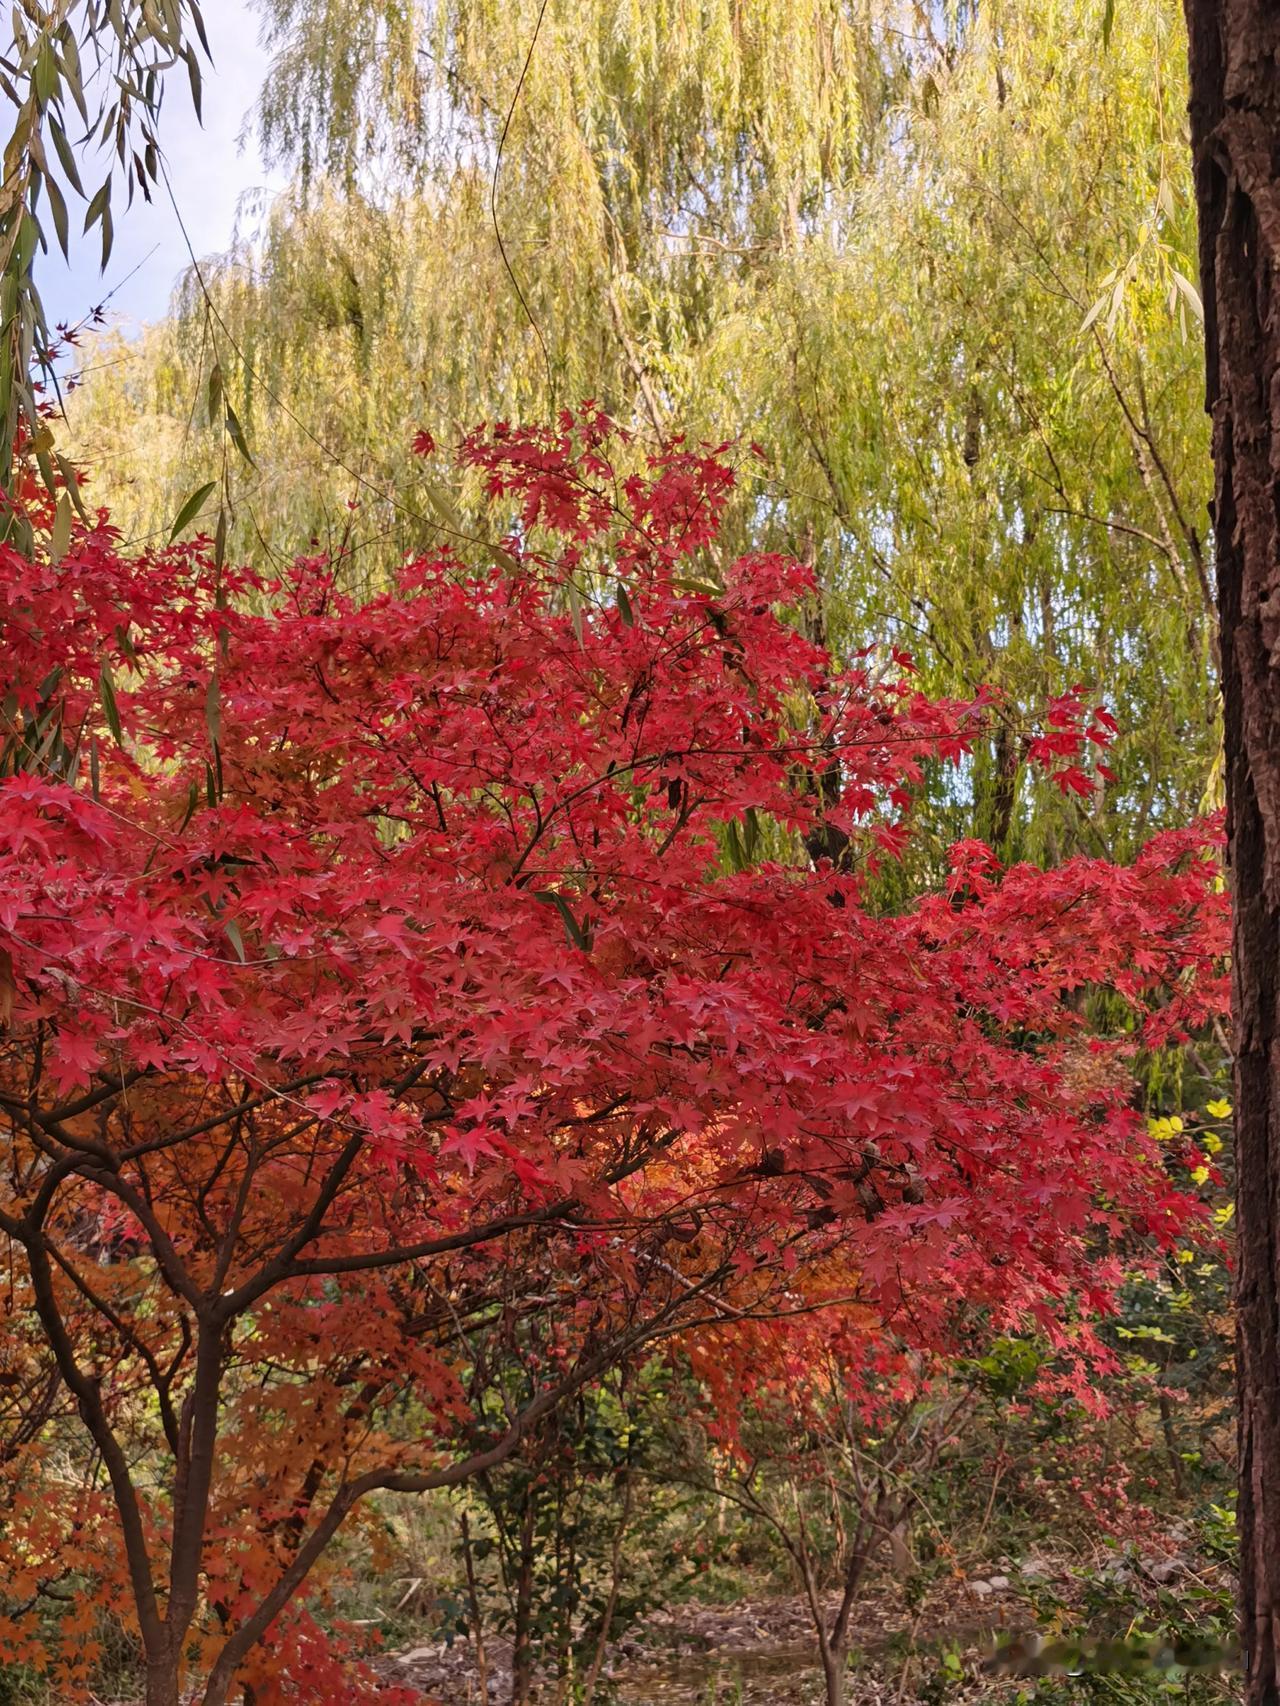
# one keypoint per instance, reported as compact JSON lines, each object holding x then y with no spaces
{"x":1235,"y":135}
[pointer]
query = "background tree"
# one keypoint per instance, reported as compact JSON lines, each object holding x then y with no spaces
{"x":843,"y":231}
{"x":830,"y":1452}
{"x":1235,"y":126}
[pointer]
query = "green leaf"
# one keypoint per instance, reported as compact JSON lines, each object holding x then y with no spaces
{"x":737,"y":856}
{"x":98,"y":206}
{"x":624,"y":607}
{"x":235,"y":938}
{"x":46,"y":72}
{"x":72,"y":483}
{"x":110,"y":710}
{"x":575,"y":611}
{"x":58,"y":208}
{"x":236,"y":434}
{"x":70,"y":59}
{"x":194,"y":504}
{"x":453,"y":523}
{"x":751,"y":826}
{"x":1189,"y":293}
{"x":443,"y":506}
{"x":1108,"y":20}
{"x":193,"y":73}
{"x":213,"y":710}
{"x":198,"y":20}
{"x":125,"y":642}
{"x":66,"y":155}
{"x":60,"y":538}
{"x":572,"y":928}
{"x":193,"y":800}
{"x":26,"y":245}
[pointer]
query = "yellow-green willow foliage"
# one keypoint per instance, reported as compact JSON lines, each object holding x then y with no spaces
{"x":637,"y":108}
{"x":937,"y":266}
{"x":987,"y":400}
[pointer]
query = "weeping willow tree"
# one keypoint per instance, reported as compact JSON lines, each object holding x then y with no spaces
{"x":933,"y":260}
{"x":983,"y":401}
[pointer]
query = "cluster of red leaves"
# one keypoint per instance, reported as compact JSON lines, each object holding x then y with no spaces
{"x":504,"y":939}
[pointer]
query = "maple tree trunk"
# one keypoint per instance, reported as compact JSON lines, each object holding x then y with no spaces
{"x":522,"y":1657}
{"x":1235,"y":132}
{"x":833,"y":1673}
{"x":162,"y":1683}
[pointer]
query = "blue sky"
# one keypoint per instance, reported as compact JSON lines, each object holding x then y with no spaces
{"x":210,"y":173}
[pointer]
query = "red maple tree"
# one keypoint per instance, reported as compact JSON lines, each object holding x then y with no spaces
{"x":371,"y":976}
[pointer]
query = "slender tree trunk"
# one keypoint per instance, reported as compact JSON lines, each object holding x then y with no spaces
{"x":522,"y":1658}
{"x":477,"y":1623}
{"x":611,"y":1604}
{"x":1235,"y":131}
{"x":834,"y":1663}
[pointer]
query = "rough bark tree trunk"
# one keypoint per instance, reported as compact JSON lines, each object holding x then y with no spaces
{"x":1235,"y":133}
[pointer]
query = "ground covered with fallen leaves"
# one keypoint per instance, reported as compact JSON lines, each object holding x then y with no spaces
{"x":1004,"y":1633}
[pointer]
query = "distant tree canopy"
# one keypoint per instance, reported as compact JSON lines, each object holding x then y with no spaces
{"x":842,"y":230}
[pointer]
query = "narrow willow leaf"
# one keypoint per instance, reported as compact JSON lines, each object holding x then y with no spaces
{"x":213,"y":711}
{"x":60,"y":537}
{"x":46,"y":73}
{"x":198,"y":20}
{"x":194,"y":504}
{"x":1190,"y":293}
{"x":573,"y":929}
{"x":193,"y":800}
{"x":751,"y":825}
{"x":575,"y":611}
{"x":125,"y":641}
{"x":236,"y":434}
{"x":197,"y":90}
{"x":737,"y":856}
{"x":58,"y":208}
{"x":98,"y":206}
{"x":66,"y":155}
{"x":71,"y":483}
{"x":110,"y":710}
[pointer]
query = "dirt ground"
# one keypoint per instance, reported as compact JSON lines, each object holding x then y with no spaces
{"x":965,"y":1639}
{"x":754,"y":1653}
